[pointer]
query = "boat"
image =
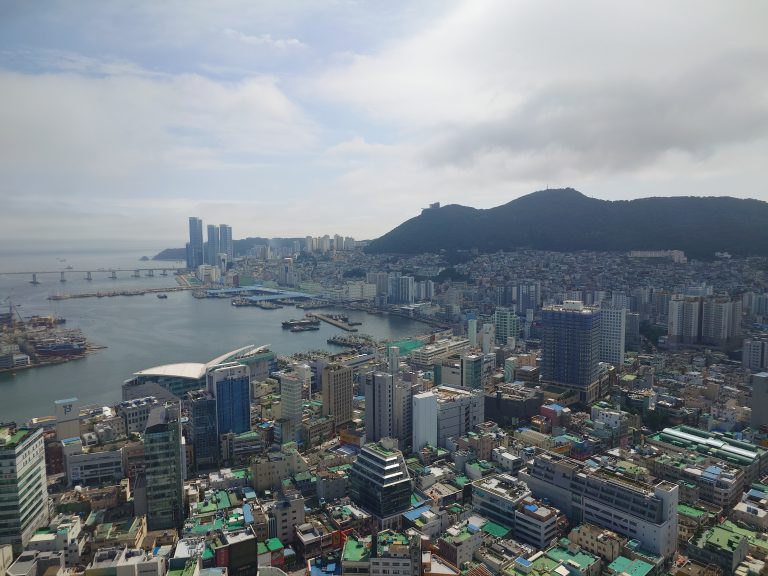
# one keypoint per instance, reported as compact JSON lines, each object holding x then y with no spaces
{"x":304,"y":328}
{"x":290,"y":324}
{"x":162,"y":296}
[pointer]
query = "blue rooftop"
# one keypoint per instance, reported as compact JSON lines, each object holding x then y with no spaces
{"x":415,"y":513}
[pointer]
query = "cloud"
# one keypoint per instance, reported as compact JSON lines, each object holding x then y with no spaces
{"x":594,"y":87}
{"x":265,"y":40}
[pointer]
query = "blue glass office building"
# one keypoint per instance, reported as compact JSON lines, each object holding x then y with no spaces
{"x":230,"y":385}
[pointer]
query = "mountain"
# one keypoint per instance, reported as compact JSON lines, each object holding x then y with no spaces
{"x":567,"y":220}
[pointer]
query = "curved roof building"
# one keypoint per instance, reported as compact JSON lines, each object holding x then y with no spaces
{"x":172,"y":381}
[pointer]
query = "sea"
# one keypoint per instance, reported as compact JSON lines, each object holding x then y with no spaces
{"x":140,"y":332}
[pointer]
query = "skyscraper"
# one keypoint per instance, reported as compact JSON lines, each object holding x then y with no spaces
{"x":230,"y":386}
{"x":23,"y":490}
{"x":164,"y":468}
{"x":471,"y":371}
{"x":201,"y":409}
{"x":571,"y":347}
{"x":226,"y":244}
{"x":195,"y":246}
{"x":337,"y":393}
{"x":212,"y":246}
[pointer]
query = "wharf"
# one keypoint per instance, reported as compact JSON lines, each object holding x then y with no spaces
{"x":113,"y":293}
{"x":333,"y":321}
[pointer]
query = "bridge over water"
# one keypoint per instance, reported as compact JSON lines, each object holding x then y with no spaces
{"x":109,"y":272}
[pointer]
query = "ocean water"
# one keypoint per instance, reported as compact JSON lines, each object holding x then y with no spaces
{"x":140,"y":331}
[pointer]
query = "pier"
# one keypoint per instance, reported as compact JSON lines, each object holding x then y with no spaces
{"x":113,"y":293}
{"x":332,"y":321}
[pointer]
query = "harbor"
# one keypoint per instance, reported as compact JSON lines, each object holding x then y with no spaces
{"x":114,"y":293}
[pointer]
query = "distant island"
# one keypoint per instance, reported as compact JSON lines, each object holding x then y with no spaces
{"x":565,"y":220}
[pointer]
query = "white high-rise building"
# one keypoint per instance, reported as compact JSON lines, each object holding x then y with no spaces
{"x":424,"y":420}
{"x":472,"y":332}
{"x":458,"y":412}
{"x":613,"y":327}
{"x":23,"y":491}
{"x":684,"y":319}
{"x":291,"y":398}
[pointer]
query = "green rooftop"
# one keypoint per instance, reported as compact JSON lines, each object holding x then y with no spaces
{"x":495,"y":530}
{"x":561,"y":553}
{"x":690,"y":511}
{"x":356,"y":550}
{"x":720,"y":538}
{"x":624,"y":565}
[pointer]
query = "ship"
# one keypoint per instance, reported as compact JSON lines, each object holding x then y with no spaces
{"x":304,"y":328}
{"x":60,"y":348}
{"x":290,"y":324}
{"x":162,"y":296}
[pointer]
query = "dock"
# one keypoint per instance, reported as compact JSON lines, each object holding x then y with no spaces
{"x":113,"y":293}
{"x":332,"y":321}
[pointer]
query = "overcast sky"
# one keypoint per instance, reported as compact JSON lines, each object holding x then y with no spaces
{"x":118,"y":120}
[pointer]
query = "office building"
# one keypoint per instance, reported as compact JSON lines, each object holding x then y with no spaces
{"x":212,"y":245}
{"x":571,"y":348}
{"x":67,"y":413}
{"x":424,"y":420}
{"x":23,"y":491}
{"x":497,"y":498}
{"x":200,"y":407}
{"x":164,"y":468}
{"x":230,"y":386}
{"x":337,"y":393}
{"x":379,"y":481}
{"x":613,"y":333}
{"x":379,"y":390}
{"x":226,"y":245}
{"x":195,"y":244}
{"x":472,"y":332}
{"x":759,"y":403}
{"x":507,"y":324}
{"x":600,"y":496}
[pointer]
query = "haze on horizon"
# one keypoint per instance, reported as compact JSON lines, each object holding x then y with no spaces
{"x":119,"y":120}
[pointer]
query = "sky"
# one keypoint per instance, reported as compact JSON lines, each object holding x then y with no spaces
{"x":119,"y":120}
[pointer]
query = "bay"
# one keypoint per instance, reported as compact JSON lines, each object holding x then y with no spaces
{"x":142,"y":331}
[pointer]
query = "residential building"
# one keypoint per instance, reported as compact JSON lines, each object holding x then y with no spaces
{"x":212,"y":246}
{"x":613,"y":328}
{"x":507,"y":325}
{"x":571,"y":348}
{"x":195,"y":244}
{"x":754,"y":354}
{"x":759,"y":403}
{"x":395,"y":554}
